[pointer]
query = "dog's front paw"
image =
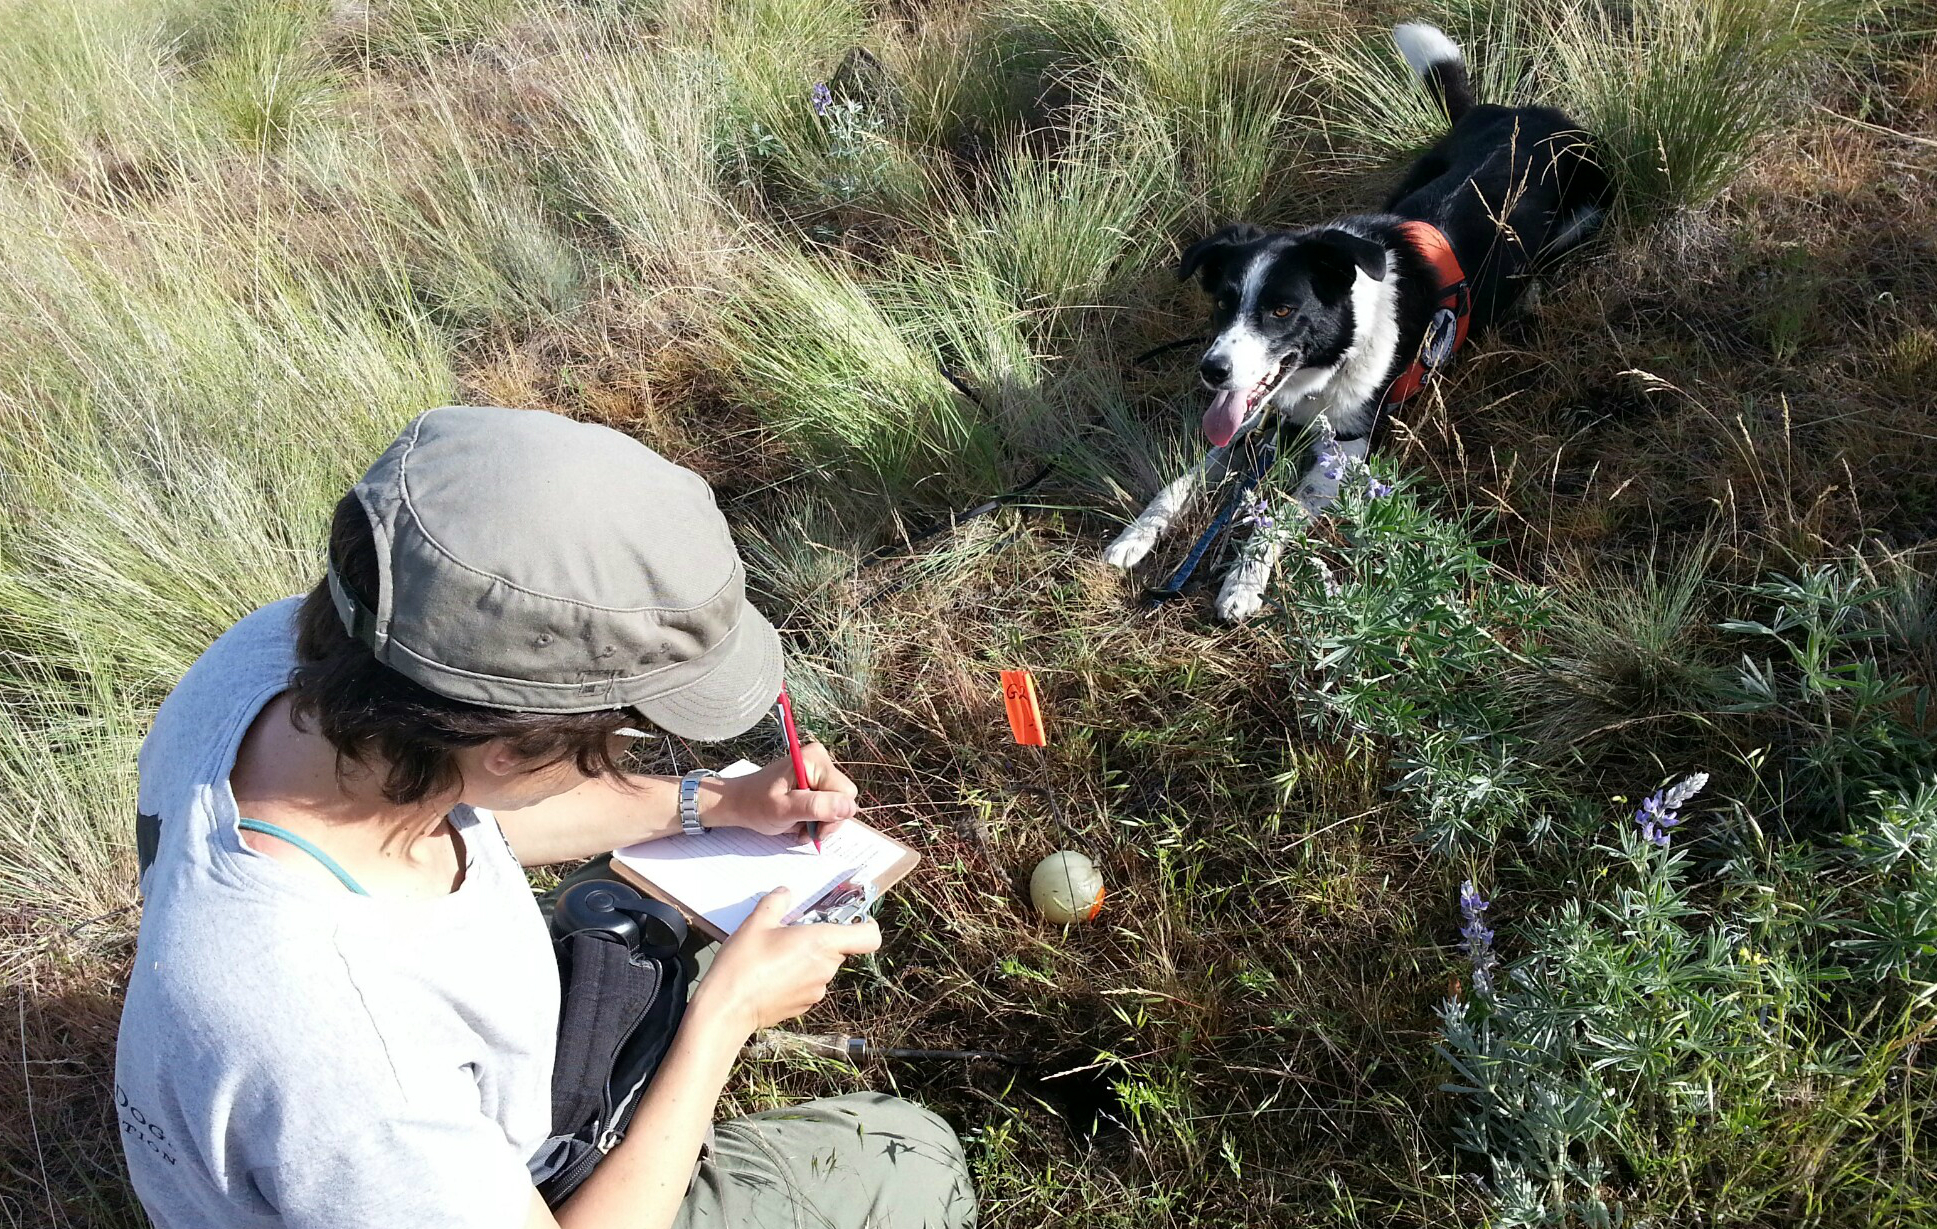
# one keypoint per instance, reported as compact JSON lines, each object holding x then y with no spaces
{"x":1314,"y":499}
{"x":1240,"y":598}
{"x":1130,"y":546}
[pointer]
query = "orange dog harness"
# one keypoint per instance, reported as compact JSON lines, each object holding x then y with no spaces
{"x":1447,"y":332}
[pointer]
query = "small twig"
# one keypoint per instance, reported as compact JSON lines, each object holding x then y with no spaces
{"x":1173,"y":998}
{"x":33,"y":1124}
{"x":1309,"y":836}
{"x":79,"y":926}
{"x":1278,"y":1073}
{"x":1879,"y":129}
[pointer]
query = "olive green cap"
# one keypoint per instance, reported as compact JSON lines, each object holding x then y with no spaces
{"x":530,"y":562}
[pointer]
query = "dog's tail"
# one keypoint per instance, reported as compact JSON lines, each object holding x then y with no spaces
{"x":1441,"y":67}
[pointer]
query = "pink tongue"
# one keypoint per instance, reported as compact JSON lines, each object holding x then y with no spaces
{"x":1225,"y":416}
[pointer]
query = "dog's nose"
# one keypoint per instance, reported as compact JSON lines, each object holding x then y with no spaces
{"x":1214,"y":370}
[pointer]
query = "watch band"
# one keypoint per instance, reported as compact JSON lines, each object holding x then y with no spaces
{"x":689,"y":800}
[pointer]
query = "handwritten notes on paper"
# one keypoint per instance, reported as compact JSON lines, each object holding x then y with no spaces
{"x":721,"y":875}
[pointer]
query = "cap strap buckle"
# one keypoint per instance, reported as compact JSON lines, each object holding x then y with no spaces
{"x":357,"y":617}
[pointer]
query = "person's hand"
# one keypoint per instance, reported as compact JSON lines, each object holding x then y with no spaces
{"x":767,"y":973}
{"x":766,"y":801}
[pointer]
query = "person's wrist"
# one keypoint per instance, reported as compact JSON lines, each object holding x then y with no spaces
{"x":718,"y":802}
{"x":720,"y":1013}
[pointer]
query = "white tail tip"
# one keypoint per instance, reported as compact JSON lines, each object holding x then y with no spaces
{"x":1424,"y":46}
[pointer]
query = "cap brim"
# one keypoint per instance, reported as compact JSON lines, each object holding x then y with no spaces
{"x":733,"y":696}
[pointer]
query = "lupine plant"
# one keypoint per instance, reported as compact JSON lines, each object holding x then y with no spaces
{"x":1660,"y":812}
{"x":1476,"y":939}
{"x":854,"y":162}
{"x":1662,"y":1023}
{"x":1824,"y":691}
{"x":1897,"y":936}
{"x":1401,"y":630}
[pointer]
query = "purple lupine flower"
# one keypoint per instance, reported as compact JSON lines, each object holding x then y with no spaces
{"x":1375,"y":489}
{"x":1661,"y":811}
{"x":1475,"y":939}
{"x":823,"y":98}
{"x":1259,"y":514}
{"x":1332,"y":463}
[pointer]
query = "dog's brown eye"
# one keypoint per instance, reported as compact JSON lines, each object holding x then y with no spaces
{"x":1281,"y":311}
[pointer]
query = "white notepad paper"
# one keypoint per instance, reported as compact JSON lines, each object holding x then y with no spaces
{"x":721,"y":874}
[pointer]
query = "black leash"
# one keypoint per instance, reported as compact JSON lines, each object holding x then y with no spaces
{"x":1166,"y":348}
{"x":955,"y":520}
{"x":1262,"y":457}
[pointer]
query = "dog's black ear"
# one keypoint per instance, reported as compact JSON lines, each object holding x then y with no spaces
{"x":1206,"y":250}
{"x":1346,"y":251}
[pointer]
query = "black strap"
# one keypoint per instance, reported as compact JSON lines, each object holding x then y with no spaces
{"x":1166,"y":348}
{"x":147,"y":841}
{"x":363,"y":620}
{"x":956,"y":520}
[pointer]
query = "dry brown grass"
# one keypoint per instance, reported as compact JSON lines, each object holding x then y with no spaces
{"x":1754,"y":379}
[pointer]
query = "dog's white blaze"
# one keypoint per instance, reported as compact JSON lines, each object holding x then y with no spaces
{"x":1424,"y":46}
{"x":1240,"y":344}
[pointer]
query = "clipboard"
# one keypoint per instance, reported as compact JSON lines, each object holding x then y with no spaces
{"x":716,"y":878}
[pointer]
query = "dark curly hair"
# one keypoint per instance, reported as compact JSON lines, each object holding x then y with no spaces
{"x":374,"y":716}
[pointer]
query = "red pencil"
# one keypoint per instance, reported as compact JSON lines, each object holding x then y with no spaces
{"x":800,"y":761}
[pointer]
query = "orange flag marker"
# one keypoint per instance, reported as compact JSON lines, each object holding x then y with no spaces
{"x":1025,"y":714}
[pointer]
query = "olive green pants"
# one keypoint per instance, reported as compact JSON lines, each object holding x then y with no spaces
{"x":863,"y":1161}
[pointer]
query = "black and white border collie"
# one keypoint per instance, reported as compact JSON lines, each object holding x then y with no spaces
{"x":1330,"y":321}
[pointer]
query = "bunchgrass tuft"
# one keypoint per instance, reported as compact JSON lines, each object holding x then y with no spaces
{"x":1210,"y":76}
{"x":1682,"y":94}
{"x":470,"y":229}
{"x":638,"y":149}
{"x":848,"y":385}
{"x":1629,"y":650}
{"x":268,"y":79}
{"x":88,"y":90}
{"x":408,"y":29}
{"x":178,"y":437}
{"x":67,"y":750}
{"x":1058,"y":229}
{"x":1678,"y":94}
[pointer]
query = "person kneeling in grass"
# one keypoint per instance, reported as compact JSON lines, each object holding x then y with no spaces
{"x":344,"y":1003}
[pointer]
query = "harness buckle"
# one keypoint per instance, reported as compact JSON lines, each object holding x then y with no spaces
{"x":1442,"y":338}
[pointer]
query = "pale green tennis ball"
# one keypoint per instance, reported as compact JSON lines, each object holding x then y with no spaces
{"x":1066,"y":887}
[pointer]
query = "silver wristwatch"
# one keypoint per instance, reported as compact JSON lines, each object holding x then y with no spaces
{"x":689,"y":800}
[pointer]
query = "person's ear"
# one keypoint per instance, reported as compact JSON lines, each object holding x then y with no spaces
{"x":498,"y":759}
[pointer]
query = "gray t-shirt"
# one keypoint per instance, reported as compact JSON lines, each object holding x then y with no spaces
{"x":294,"y":1054}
